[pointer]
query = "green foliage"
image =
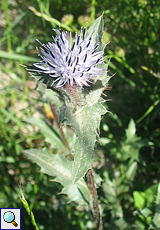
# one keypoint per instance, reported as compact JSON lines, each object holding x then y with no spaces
{"x":52,"y":136}
{"x":148,"y":206}
{"x":134,"y":52}
{"x":128,"y":163}
{"x":118,"y":182}
{"x":57,"y":166}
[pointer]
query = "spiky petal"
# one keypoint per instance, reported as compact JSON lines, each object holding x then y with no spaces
{"x":70,"y":62}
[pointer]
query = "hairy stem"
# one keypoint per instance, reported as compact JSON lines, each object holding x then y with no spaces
{"x":92,"y":188}
{"x":117,"y":192}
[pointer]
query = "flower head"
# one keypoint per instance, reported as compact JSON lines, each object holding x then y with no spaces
{"x":70,"y":62}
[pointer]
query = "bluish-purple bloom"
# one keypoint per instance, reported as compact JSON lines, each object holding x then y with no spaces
{"x":70,"y":62}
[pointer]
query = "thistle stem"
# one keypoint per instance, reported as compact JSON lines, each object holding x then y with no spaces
{"x":92,"y":188}
{"x":117,"y":193}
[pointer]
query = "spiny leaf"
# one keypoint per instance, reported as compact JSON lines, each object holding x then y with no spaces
{"x":85,"y":123}
{"x":57,"y":166}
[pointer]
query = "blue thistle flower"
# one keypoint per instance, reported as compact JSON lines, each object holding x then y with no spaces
{"x":70,"y":62}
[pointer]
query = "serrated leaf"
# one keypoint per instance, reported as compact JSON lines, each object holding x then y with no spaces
{"x":85,"y":123}
{"x":57,"y":166}
{"x":89,"y":121}
{"x":51,"y":135}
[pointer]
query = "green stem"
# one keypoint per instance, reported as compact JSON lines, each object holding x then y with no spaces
{"x":92,"y":188}
{"x":30,"y":213}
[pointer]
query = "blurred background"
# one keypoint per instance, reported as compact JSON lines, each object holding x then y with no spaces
{"x":127,"y":154}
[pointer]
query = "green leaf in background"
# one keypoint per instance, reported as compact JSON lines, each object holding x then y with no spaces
{"x":118,"y":224}
{"x":51,"y":135}
{"x":125,"y":183}
{"x":150,"y":194}
{"x":146,"y":212}
{"x":109,"y":189}
{"x":14,"y":56}
{"x":131,"y":146}
{"x":11,"y":116}
{"x":157,"y":209}
{"x":7,"y":159}
{"x":139,"y":199}
{"x":155,"y":223}
{"x":149,"y":110}
{"x":145,"y":198}
{"x":131,"y":130}
{"x":11,"y":74}
{"x":57,"y":166}
{"x":4,"y":202}
{"x":50,"y":19}
{"x":97,"y":28}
